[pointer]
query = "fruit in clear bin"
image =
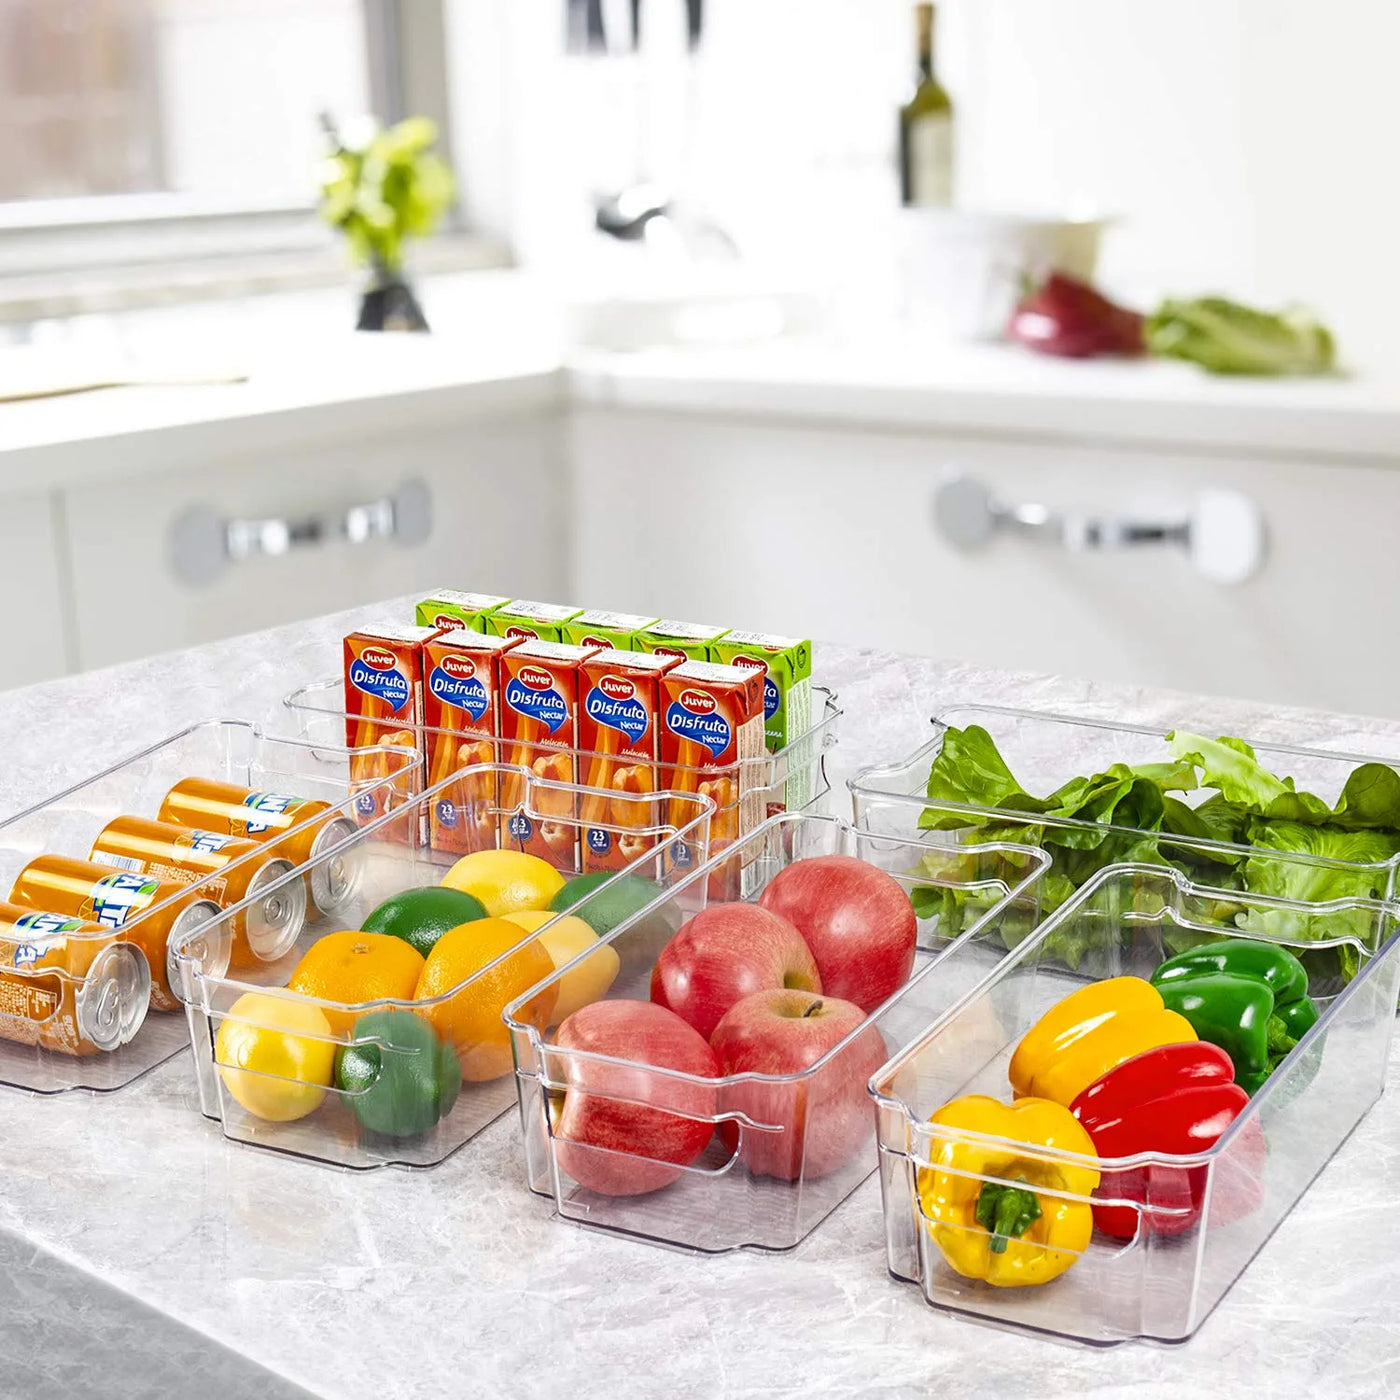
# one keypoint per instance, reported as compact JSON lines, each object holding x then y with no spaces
{"x":564,"y":939}
{"x":625,"y":1129}
{"x":421,"y":916}
{"x":352,"y":967}
{"x":857,"y":920}
{"x":470,"y":1018}
{"x":398,"y":1077}
{"x":625,"y":896}
{"x":275,"y":1056}
{"x":505,"y":881}
{"x":724,"y":954}
{"x":825,"y":1118}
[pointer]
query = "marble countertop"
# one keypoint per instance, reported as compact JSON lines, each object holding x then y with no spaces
{"x":142,"y":1254}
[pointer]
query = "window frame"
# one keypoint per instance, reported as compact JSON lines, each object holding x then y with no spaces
{"x":407,"y":63}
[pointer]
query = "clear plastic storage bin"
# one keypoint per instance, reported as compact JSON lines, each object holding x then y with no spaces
{"x":51,"y":975}
{"x":297,"y":1102}
{"x":793,"y":777}
{"x":718,"y":1203}
{"x":1163,"y":1282}
{"x":1044,"y":751}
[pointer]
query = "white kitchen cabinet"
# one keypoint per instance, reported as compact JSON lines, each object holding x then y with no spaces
{"x":33,"y":592}
{"x":828,"y":531}
{"x":497,"y":524}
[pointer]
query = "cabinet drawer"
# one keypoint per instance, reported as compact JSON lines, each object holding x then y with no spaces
{"x":31,"y":592}
{"x":830,"y":533}
{"x":496,"y":524}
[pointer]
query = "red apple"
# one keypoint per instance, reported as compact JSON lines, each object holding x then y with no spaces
{"x":722,"y":955}
{"x":826,"y":1117}
{"x":857,"y":921}
{"x":624,"y":1130}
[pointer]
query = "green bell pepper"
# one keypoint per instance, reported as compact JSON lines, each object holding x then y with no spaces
{"x":1249,"y":998}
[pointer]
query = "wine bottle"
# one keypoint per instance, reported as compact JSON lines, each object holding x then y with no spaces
{"x":926,"y":128}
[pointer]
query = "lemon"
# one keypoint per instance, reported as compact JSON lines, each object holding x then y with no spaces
{"x":267,"y":1060}
{"x":565,"y":940}
{"x":505,"y":881}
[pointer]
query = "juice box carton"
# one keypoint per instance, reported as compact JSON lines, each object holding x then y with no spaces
{"x":462,"y":727}
{"x":606,"y":629}
{"x":619,"y":724}
{"x":540,"y":684}
{"x":786,"y":666}
{"x":449,"y":608}
{"x":532,"y":622}
{"x":688,"y":641}
{"x":384,"y":705}
{"x":711,"y":730}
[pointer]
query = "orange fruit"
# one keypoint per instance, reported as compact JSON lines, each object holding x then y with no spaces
{"x":470,"y":1019}
{"x":353,"y":967}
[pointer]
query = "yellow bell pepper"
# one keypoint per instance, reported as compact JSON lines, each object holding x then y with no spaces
{"x":981,"y":1201}
{"x":1091,"y":1032}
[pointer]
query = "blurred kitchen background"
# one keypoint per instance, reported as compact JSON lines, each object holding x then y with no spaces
{"x":691,"y":352}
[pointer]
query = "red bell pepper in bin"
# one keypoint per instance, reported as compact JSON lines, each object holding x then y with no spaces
{"x":1174,"y":1099}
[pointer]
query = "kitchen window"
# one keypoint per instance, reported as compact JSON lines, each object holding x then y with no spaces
{"x":137,"y":132}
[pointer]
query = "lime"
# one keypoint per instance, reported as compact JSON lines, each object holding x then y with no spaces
{"x":398,"y":1076}
{"x":421,"y":916}
{"x":603,"y":912}
{"x":505,"y":881}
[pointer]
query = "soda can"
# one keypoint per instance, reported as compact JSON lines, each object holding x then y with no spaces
{"x":274,"y":918}
{"x":67,"y":985}
{"x":299,"y":828}
{"x":158,"y":916}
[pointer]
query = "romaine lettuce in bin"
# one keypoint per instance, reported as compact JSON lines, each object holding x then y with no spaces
{"x":1247,"y":805}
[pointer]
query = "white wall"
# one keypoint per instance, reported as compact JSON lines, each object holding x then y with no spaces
{"x":1244,"y":143}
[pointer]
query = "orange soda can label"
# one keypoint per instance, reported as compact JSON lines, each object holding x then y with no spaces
{"x":62,"y":988}
{"x":113,"y":899}
{"x":462,"y":728}
{"x":539,"y":731}
{"x":618,"y":748}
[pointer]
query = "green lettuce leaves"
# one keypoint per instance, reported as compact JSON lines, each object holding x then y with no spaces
{"x":1244,"y":830}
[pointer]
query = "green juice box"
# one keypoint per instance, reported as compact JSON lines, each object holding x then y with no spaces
{"x":522,"y":620}
{"x":786,"y":663}
{"x":690,"y":641}
{"x":617,"y":631}
{"x":449,"y":608}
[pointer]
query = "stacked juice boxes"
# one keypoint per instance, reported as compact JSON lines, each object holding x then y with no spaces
{"x":620,"y":704}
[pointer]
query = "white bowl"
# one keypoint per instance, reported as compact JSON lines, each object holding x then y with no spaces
{"x":962,"y":271}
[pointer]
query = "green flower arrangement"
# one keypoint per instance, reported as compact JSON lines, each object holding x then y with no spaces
{"x":384,"y":188}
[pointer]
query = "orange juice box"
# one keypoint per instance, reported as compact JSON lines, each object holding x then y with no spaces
{"x":533,"y":622}
{"x":384,"y":705}
{"x":618,"y":742}
{"x":786,"y":666}
{"x":539,"y":730}
{"x":461,"y":727}
{"x":449,"y":608}
{"x":711,"y":729}
{"x":688,"y":641}
{"x":606,"y":629}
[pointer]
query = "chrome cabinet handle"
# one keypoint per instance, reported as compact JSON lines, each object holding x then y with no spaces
{"x":1222,"y":533}
{"x":202,"y":543}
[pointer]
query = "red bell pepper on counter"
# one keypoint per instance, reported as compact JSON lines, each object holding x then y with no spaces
{"x":1064,"y":316}
{"x":1174,"y":1099}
